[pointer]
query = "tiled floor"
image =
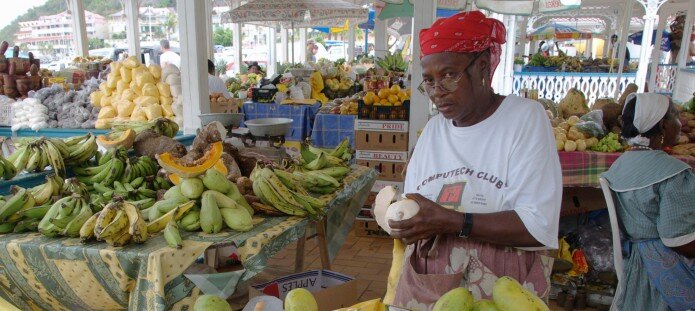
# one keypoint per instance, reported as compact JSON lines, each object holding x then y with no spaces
{"x":367,"y":259}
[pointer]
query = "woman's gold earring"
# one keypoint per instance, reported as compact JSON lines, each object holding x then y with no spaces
{"x":484,"y":84}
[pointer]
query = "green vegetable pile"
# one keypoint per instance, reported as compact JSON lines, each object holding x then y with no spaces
{"x":609,"y":143}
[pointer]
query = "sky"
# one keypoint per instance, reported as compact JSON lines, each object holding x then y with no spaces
{"x":12,"y":8}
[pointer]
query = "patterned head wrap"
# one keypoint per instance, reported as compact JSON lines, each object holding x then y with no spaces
{"x":465,"y":32}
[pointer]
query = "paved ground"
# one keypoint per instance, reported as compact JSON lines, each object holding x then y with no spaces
{"x":366,"y":259}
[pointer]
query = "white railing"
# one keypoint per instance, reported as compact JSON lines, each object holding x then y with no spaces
{"x":665,"y":77}
{"x":554,"y":85}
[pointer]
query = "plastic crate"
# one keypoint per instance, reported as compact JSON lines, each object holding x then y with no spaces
{"x":6,"y":114}
{"x":264,"y":95}
{"x":371,"y":112}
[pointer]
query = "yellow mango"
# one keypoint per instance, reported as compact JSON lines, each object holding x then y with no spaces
{"x":111,"y":81}
{"x":167,"y":111}
{"x":128,"y":94}
{"x":144,"y":101}
{"x":457,"y":299}
{"x":131,"y":62}
{"x":163,"y":100}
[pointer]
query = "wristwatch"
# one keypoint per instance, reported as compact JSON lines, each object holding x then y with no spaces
{"x":467,"y":225}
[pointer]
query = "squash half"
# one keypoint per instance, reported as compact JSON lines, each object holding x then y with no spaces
{"x":124,"y":139}
{"x":173,"y":165}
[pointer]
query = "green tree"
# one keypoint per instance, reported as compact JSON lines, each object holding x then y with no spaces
{"x":222,"y":37}
{"x":95,"y":43}
{"x":170,"y":24}
{"x":118,"y":35}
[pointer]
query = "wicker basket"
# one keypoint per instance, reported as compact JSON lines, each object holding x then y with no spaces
{"x":6,"y":114}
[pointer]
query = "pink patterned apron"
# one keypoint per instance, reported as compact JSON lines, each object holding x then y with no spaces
{"x":461,"y":262}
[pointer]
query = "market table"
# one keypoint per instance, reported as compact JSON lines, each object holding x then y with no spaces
{"x":330,"y":129}
{"x":64,"y":274}
{"x":584,"y":168}
{"x":302,"y":115}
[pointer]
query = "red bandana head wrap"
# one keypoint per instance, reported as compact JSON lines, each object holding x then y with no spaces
{"x":465,"y":32}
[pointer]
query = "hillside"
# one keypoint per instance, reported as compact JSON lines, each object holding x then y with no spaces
{"x":101,"y":7}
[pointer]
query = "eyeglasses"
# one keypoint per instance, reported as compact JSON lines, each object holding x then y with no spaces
{"x":448,"y":84}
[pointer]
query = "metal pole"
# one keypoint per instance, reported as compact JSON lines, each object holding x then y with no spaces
{"x":625,"y":26}
{"x":683,"y":54}
{"x":132,"y":27}
{"x":424,"y":16}
{"x":656,"y":53}
{"x":651,"y":9}
{"x":194,"y":75}
{"x":80,"y":41}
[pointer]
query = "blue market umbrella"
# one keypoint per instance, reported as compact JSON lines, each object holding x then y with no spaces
{"x":369,"y":24}
{"x":636,"y":38}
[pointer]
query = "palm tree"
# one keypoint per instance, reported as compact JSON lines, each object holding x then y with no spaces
{"x":170,"y":24}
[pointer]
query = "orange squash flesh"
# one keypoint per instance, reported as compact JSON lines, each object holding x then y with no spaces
{"x":171,"y":165}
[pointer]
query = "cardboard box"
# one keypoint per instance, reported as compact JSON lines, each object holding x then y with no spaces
{"x":392,"y":156}
{"x":223,"y":108}
{"x":331,"y":290}
{"x":381,"y":135}
{"x":380,"y":184}
{"x":577,"y":200}
{"x":381,"y":126}
{"x":222,"y":256}
{"x":388,"y":171}
{"x":369,"y":228}
{"x":370,"y":200}
{"x":382,"y":141}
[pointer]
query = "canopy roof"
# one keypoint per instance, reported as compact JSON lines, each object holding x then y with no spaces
{"x":299,"y":13}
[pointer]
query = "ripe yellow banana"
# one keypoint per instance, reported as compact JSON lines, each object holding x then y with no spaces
{"x":137,"y":225}
{"x":87,"y":229}
{"x":105,"y":217}
{"x":119,"y":222}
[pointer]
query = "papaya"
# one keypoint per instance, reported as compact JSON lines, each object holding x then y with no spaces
{"x":114,"y":140}
{"x":173,"y":164}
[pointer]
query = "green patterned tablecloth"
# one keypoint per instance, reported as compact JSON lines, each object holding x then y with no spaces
{"x":40,"y":273}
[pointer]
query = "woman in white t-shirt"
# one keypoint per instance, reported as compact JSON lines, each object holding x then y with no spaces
{"x":485,"y":173}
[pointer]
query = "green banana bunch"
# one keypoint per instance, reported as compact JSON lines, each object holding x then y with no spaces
{"x":392,"y":62}
{"x":44,"y":192}
{"x":74,"y":186}
{"x":316,"y":158}
{"x":65,"y":217}
{"x":271,"y":187}
{"x":7,"y":169}
{"x":12,"y":210}
{"x":37,"y":155}
{"x":139,"y":167}
{"x":78,"y":149}
{"x":162,"y":126}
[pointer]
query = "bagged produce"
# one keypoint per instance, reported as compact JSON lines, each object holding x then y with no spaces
{"x":126,"y":74}
{"x":149,"y":89}
{"x":155,"y":70}
{"x":163,"y":89}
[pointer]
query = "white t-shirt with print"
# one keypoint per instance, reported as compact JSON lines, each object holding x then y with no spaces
{"x":170,"y":57}
{"x":506,"y":162}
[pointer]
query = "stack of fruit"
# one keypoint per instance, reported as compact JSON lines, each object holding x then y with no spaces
{"x":393,"y":96}
{"x":34,"y":155}
{"x":569,"y":138}
{"x":609,"y":143}
{"x":219,"y":200}
{"x":132,"y":92}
